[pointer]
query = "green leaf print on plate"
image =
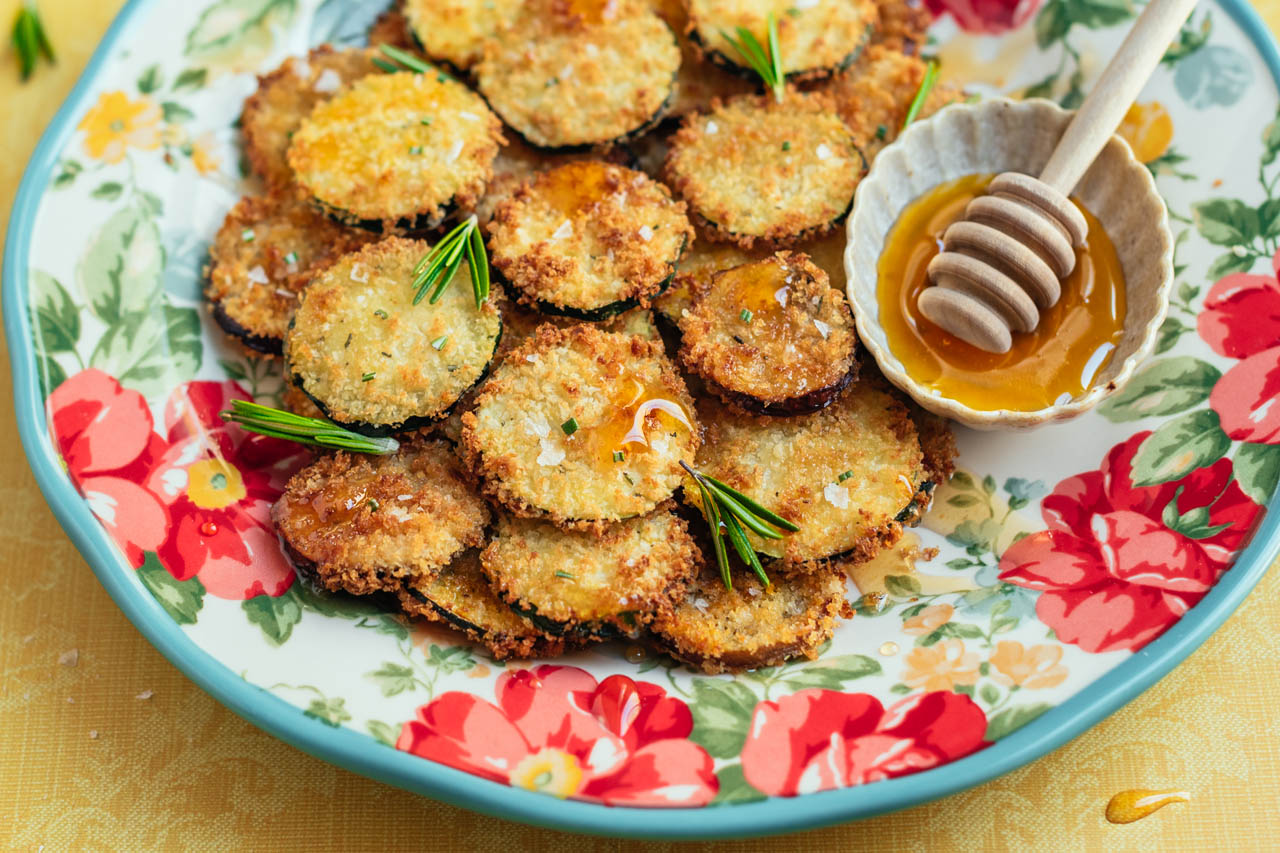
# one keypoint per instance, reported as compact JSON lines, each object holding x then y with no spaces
{"x":1179,"y":447}
{"x":1164,"y":387}
{"x":1215,"y":76}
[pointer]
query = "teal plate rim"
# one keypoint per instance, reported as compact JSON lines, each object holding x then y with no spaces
{"x":361,"y":754}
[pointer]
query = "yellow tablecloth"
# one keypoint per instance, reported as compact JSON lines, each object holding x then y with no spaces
{"x":86,"y":762}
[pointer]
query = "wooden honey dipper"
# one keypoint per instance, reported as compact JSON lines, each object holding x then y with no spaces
{"x":1001,"y":265}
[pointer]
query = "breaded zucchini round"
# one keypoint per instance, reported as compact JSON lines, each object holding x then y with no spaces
{"x":843,"y":474}
{"x":396,"y":151}
{"x":392,"y":28}
{"x":814,"y":39}
{"x":286,"y":96}
{"x":267,"y":250}
{"x":572,"y":73}
{"x":756,"y":170}
{"x":582,"y":427}
{"x":903,"y":25}
{"x":589,"y":239}
{"x":701,"y":261}
{"x":590,"y":584}
{"x":455,"y":31}
{"x":751,"y":626}
{"x":374,"y":361}
{"x":364,"y":523}
{"x":771,"y":336}
{"x":460,"y":595}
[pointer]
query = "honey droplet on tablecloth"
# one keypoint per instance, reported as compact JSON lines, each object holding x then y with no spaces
{"x":1137,"y":803}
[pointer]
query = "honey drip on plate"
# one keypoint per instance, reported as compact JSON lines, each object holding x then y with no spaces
{"x":638,"y":415}
{"x":1054,"y":364}
{"x":1137,"y":803}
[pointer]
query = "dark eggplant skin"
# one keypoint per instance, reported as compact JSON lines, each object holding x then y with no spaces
{"x":805,"y":404}
{"x":263,"y":344}
{"x":420,"y":225}
{"x":586,"y":631}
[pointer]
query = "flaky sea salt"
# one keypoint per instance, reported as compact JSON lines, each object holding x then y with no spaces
{"x":837,"y":496}
{"x":552,"y":453}
{"x":328,"y":81}
{"x":712,"y":127}
{"x":360,"y":273}
{"x":565,"y":229}
{"x":823,"y":152}
{"x":258,"y":275}
{"x":646,"y":233}
{"x":823,"y":328}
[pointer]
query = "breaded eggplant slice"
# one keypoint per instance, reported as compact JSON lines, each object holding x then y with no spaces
{"x":874,"y":96}
{"x":461,"y":596}
{"x":575,"y":74}
{"x":589,"y":584}
{"x":843,"y":474}
{"x":814,"y":39}
{"x":267,"y":250}
{"x":374,"y":361}
{"x":455,"y":31}
{"x":751,"y":626}
{"x":755,"y":170}
{"x":364,"y":523}
{"x":771,"y":336}
{"x":589,"y":240}
{"x":396,"y":151}
{"x":286,"y":96}
{"x":582,"y":427}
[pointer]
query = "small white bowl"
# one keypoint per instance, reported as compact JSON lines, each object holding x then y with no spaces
{"x":1002,"y":135}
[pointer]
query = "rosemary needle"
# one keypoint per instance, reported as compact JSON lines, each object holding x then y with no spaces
{"x":731,"y":513}
{"x":766,"y":63}
{"x":437,"y":268}
{"x":277,"y":423}
{"x":29,"y":40}
{"x":926,"y":86}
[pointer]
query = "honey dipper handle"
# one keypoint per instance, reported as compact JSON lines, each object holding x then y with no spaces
{"x":1116,"y":89}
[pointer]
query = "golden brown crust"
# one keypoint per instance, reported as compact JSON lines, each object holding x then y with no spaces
{"x":903,"y":25}
{"x":267,"y":250}
{"x":770,"y":336}
{"x":455,"y":31}
{"x":587,"y":235}
{"x":364,"y":523}
{"x":286,"y":96}
{"x":700,"y":262}
{"x":750,"y":626}
{"x":396,"y":151}
{"x":757,"y":171}
{"x":295,"y":400}
{"x":392,"y":28}
{"x":609,"y":582}
{"x":579,"y":73}
{"x":517,"y":441}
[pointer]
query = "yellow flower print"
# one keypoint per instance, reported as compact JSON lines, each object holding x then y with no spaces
{"x":116,"y":124}
{"x":204,"y":155}
{"x":214,"y":484}
{"x":1033,"y":668}
{"x":550,"y":770}
{"x":1148,"y":129}
{"x":941,"y":666}
{"x":933,"y":616}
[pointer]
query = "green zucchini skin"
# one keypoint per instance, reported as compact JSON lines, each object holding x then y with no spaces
{"x":419,"y":225}
{"x":584,"y":631}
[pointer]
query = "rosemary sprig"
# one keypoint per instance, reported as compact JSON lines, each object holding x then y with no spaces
{"x":767,"y":64}
{"x":408,"y":61}
{"x":265,"y":420}
{"x":926,"y":86}
{"x":724,"y":507}
{"x":29,"y":39}
{"x":437,"y":267}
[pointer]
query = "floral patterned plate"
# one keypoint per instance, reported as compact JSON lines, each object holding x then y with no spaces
{"x":1066,"y":581}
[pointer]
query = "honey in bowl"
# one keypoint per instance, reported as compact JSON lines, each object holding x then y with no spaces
{"x":1051,"y":365}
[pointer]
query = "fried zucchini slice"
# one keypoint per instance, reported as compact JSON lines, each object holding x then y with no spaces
{"x":701,"y":261}
{"x":455,"y":31}
{"x":754,"y":170}
{"x":771,"y":336}
{"x":751,"y":626}
{"x":374,"y":361}
{"x":843,"y":474}
{"x":286,"y":96}
{"x":589,"y":240}
{"x":460,"y":595}
{"x":589,"y":584}
{"x":814,"y":39}
{"x":396,"y":151}
{"x":576,"y":73}
{"x":392,"y":28}
{"x":267,"y":250}
{"x":903,"y":25}
{"x":364,"y":523}
{"x":582,"y":427}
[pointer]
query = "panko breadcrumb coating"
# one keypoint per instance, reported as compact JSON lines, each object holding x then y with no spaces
{"x":455,"y":31}
{"x":589,"y":239}
{"x":286,"y":96}
{"x":364,"y":523}
{"x":460,"y":595}
{"x":751,"y":626}
{"x":566,"y":73}
{"x":755,"y":170}
{"x":267,"y":250}
{"x":591,"y":584}
{"x":903,"y":25}
{"x":701,"y":261}
{"x":392,"y":28}
{"x":396,"y":151}
{"x":550,"y":424}
{"x":814,"y":39}
{"x":771,"y":336}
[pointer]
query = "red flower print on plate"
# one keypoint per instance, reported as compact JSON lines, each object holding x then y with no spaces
{"x":104,"y":433}
{"x":986,"y":16}
{"x":219,"y":483}
{"x":1241,"y":319}
{"x":815,"y":740}
{"x":1121,"y":563}
{"x":555,"y":729}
